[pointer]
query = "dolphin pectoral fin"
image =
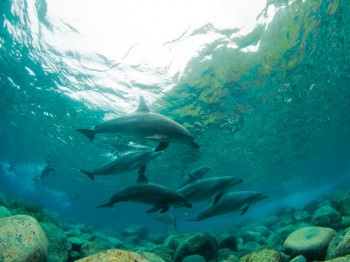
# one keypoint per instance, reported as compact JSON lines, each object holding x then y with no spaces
{"x":217,"y":198}
{"x":162,"y":145}
{"x":88,"y":173}
{"x":155,"y":208}
{"x":105,"y":205}
{"x":88,"y":133}
{"x":164,"y":209}
{"x":244,"y":209}
{"x":142,"y":177}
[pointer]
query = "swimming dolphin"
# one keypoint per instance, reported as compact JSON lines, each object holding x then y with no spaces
{"x":206,"y":188}
{"x":230,"y":202}
{"x":149,"y":193}
{"x":124,"y":164}
{"x":194,"y":175}
{"x":145,"y":124}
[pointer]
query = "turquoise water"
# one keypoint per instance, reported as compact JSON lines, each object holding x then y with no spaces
{"x":267,"y":103}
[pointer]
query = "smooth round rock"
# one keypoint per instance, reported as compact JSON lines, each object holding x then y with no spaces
{"x":227,"y":241}
{"x":22,"y":239}
{"x":115,"y":255}
{"x":201,"y":243}
{"x":339,"y":246}
{"x":266,"y":255}
{"x":311,"y":242}
{"x":327,"y":216}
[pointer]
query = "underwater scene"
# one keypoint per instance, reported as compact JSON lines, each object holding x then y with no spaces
{"x":175,"y":130}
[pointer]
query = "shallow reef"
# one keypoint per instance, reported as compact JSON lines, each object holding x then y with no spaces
{"x":320,"y":231}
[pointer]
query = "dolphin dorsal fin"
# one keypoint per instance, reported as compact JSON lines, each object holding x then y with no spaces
{"x":142,"y":106}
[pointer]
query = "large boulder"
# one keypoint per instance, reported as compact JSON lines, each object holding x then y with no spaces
{"x":60,"y":246}
{"x":266,"y":255}
{"x":311,"y":242}
{"x":327,"y":216}
{"x":93,"y":247}
{"x":4,"y":212}
{"x":22,"y":239}
{"x":342,"y":201}
{"x":164,"y":252}
{"x":339,"y":246}
{"x":340,"y":259}
{"x":299,"y":259}
{"x":114,"y":255}
{"x":227,"y":241}
{"x":135,"y":234}
{"x":201,"y":243}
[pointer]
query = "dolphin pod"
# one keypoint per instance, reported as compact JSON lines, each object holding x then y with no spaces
{"x":149,"y":193}
{"x":194,"y":188}
{"x":124,"y":164}
{"x":230,"y":202}
{"x":146,"y":124}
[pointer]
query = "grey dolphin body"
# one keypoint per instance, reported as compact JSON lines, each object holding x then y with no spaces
{"x":230,"y":202}
{"x":194,"y":175}
{"x":124,"y":164}
{"x":146,"y":124}
{"x":148,"y":193}
{"x":204,"y":189}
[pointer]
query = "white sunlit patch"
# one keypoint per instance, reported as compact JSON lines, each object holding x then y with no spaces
{"x":251,"y":48}
{"x":159,"y":37}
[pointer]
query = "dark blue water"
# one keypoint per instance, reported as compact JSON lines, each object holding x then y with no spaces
{"x":268,"y":103}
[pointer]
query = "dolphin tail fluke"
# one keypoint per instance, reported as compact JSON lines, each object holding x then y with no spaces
{"x":88,"y":133}
{"x":162,"y":145}
{"x":105,"y":205}
{"x":88,"y":173}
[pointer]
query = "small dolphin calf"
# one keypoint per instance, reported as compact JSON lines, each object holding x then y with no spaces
{"x":124,"y":164}
{"x":204,"y":189}
{"x":145,"y":124}
{"x":194,"y":175}
{"x":148,"y":193}
{"x":230,"y":202}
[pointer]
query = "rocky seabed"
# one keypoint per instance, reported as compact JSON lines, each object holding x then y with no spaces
{"x":318,"y":232}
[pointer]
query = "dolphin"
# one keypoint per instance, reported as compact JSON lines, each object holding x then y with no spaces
{"x":230,"y":202}
{"x":206,"y":188}
{"x":124,"y":164}
{"x":194,"y":175}
{"x":146,"y":124}
{"x":149,"y":193}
